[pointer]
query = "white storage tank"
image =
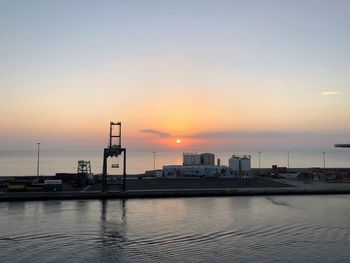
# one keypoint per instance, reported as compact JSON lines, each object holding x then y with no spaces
{"x":245,"y":163}
{"x":187,"y":159}
{"x":207,"y":159}
{"x":233,"y":163}
{"x":191,"y":159}
{"x":196,"y":159}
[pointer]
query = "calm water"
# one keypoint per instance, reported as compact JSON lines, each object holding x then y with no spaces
{"x":13,"y":163}
{"x":230,"y":229}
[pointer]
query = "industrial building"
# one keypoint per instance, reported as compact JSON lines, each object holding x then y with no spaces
{"x":203,"y":165}
{"x":196,"y":170}
{"x":195,"y":164}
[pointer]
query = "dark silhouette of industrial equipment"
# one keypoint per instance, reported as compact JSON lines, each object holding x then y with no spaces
{"x":114,"y":150}
{"x":342,"y":145}
{"x":84,"y":174}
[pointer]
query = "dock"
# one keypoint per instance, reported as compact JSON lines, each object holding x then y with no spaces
{"x":187,"y":187}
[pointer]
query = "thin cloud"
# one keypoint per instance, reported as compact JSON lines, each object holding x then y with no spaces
{"x":264,"y":134}
{"x":330,"y":93}
{"x":239,"y":134}
{"x":156,"y":132}
{"x":250,"y":134}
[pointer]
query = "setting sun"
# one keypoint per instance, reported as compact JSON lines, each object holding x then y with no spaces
{"x":178,"y":141}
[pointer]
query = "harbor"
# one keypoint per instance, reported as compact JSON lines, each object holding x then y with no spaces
{"x":200,"y":174}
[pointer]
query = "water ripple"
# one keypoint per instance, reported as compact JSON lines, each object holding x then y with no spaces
{"x":237,"y":232}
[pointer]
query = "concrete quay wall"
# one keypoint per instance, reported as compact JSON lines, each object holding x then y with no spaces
{"x":164,"y":193}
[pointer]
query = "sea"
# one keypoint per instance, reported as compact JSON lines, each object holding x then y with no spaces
{"x":24,"y":163}
{"x":216,"y":229}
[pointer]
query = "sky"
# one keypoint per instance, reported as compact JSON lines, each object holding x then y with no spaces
{"x":223,"y":75}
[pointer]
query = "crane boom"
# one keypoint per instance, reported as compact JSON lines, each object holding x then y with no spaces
{"x":342,"y":145}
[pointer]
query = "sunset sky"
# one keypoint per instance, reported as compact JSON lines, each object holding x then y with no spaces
{"x":245,"y":75}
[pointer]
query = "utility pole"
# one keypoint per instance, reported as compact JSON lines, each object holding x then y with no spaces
{"x":38,"y":163}
{"x":324,"y":160}
{"x":154,"y":161}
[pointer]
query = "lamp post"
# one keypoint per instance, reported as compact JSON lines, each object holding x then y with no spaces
{"x":324,"y":160}
{"x":259,"y":159}
{"x":154,"y":161}
{"x":37,"y":167}
{"x":288,"y":159}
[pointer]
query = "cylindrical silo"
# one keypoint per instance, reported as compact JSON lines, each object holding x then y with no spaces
{"x":196,"y":159}
{"x":245,"y":164}
{"x":208,"y":159}
{"x":187,"y":159}
{"x":233,"y":163}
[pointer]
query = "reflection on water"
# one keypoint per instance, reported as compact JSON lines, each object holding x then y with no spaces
{"x":239,"y":229}
{"x":113,"y":228}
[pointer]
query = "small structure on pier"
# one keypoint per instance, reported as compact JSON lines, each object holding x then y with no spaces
{"x":84,"y":174}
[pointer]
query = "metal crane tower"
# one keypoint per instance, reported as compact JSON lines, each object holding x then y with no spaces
{"x":113,"y":150}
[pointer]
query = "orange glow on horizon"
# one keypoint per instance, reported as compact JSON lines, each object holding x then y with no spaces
{"x":174,"y":143}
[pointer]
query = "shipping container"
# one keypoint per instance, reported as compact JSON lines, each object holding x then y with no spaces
{"x":16,"y":187}
{"x":53,"y":185}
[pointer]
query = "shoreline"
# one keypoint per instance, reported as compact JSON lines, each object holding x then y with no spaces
{"x":186,"y":187}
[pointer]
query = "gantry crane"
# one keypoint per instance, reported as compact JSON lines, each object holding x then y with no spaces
{"x":114,"y":149}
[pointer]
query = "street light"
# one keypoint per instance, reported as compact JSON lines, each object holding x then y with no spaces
{"x":37,"y":167}
{"x":259,"y":159}
{"x":288,"y":159}
{"x":324,"y":160}
{"x":154,"y":161}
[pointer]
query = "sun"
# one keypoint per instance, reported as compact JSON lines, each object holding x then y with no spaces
{"x":178,"y":141}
